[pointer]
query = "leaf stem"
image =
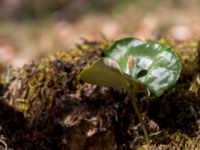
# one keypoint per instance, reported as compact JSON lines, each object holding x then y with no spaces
{"x":133,"y":100}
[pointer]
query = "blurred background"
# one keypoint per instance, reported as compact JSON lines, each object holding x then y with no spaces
{"x":30,"y":29}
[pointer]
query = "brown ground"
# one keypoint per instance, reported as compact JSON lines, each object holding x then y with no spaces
{"x":43,"y":106}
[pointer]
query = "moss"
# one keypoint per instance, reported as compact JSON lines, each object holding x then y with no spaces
{"x":55,"y":106}
{"x":37,"y":86}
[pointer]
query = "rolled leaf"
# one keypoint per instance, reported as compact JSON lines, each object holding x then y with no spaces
{"x":152,"y":64}
{"x":106,"y":72}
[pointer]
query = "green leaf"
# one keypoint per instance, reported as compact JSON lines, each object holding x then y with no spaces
{"x":152,"y":64}
{"x":106,"y":72}
{"x":131,"y":61}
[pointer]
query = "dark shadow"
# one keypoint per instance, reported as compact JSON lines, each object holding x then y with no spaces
{"x":12,"y":122}
{"x":177,"y":110}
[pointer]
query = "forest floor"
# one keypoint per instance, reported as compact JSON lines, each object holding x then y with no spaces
{"x":43,"y":106}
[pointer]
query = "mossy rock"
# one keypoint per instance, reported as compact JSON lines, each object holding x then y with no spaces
{"x":59,"y":112}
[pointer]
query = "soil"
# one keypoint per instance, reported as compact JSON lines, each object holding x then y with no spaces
{"x":45,"y":107}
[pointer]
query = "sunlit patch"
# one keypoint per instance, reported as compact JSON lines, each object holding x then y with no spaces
{"x":155,"y":46}
{"x":163,"y":76}
{"x":159,"y":72}
{"x":166,"y":55}
{"x":135,"y":43}
{"x":112,"y":63}
{"x":144,"y":62}
{"x":130,"y":64}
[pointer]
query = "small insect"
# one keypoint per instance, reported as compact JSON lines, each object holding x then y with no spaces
{"x":130,"y":63}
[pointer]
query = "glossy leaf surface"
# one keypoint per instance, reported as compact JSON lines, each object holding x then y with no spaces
{"x":130,"y":60}
{"x":106,"y":72}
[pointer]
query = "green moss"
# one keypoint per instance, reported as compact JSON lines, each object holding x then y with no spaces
{"x":37,"y":86}
{"x":53,"y":103}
